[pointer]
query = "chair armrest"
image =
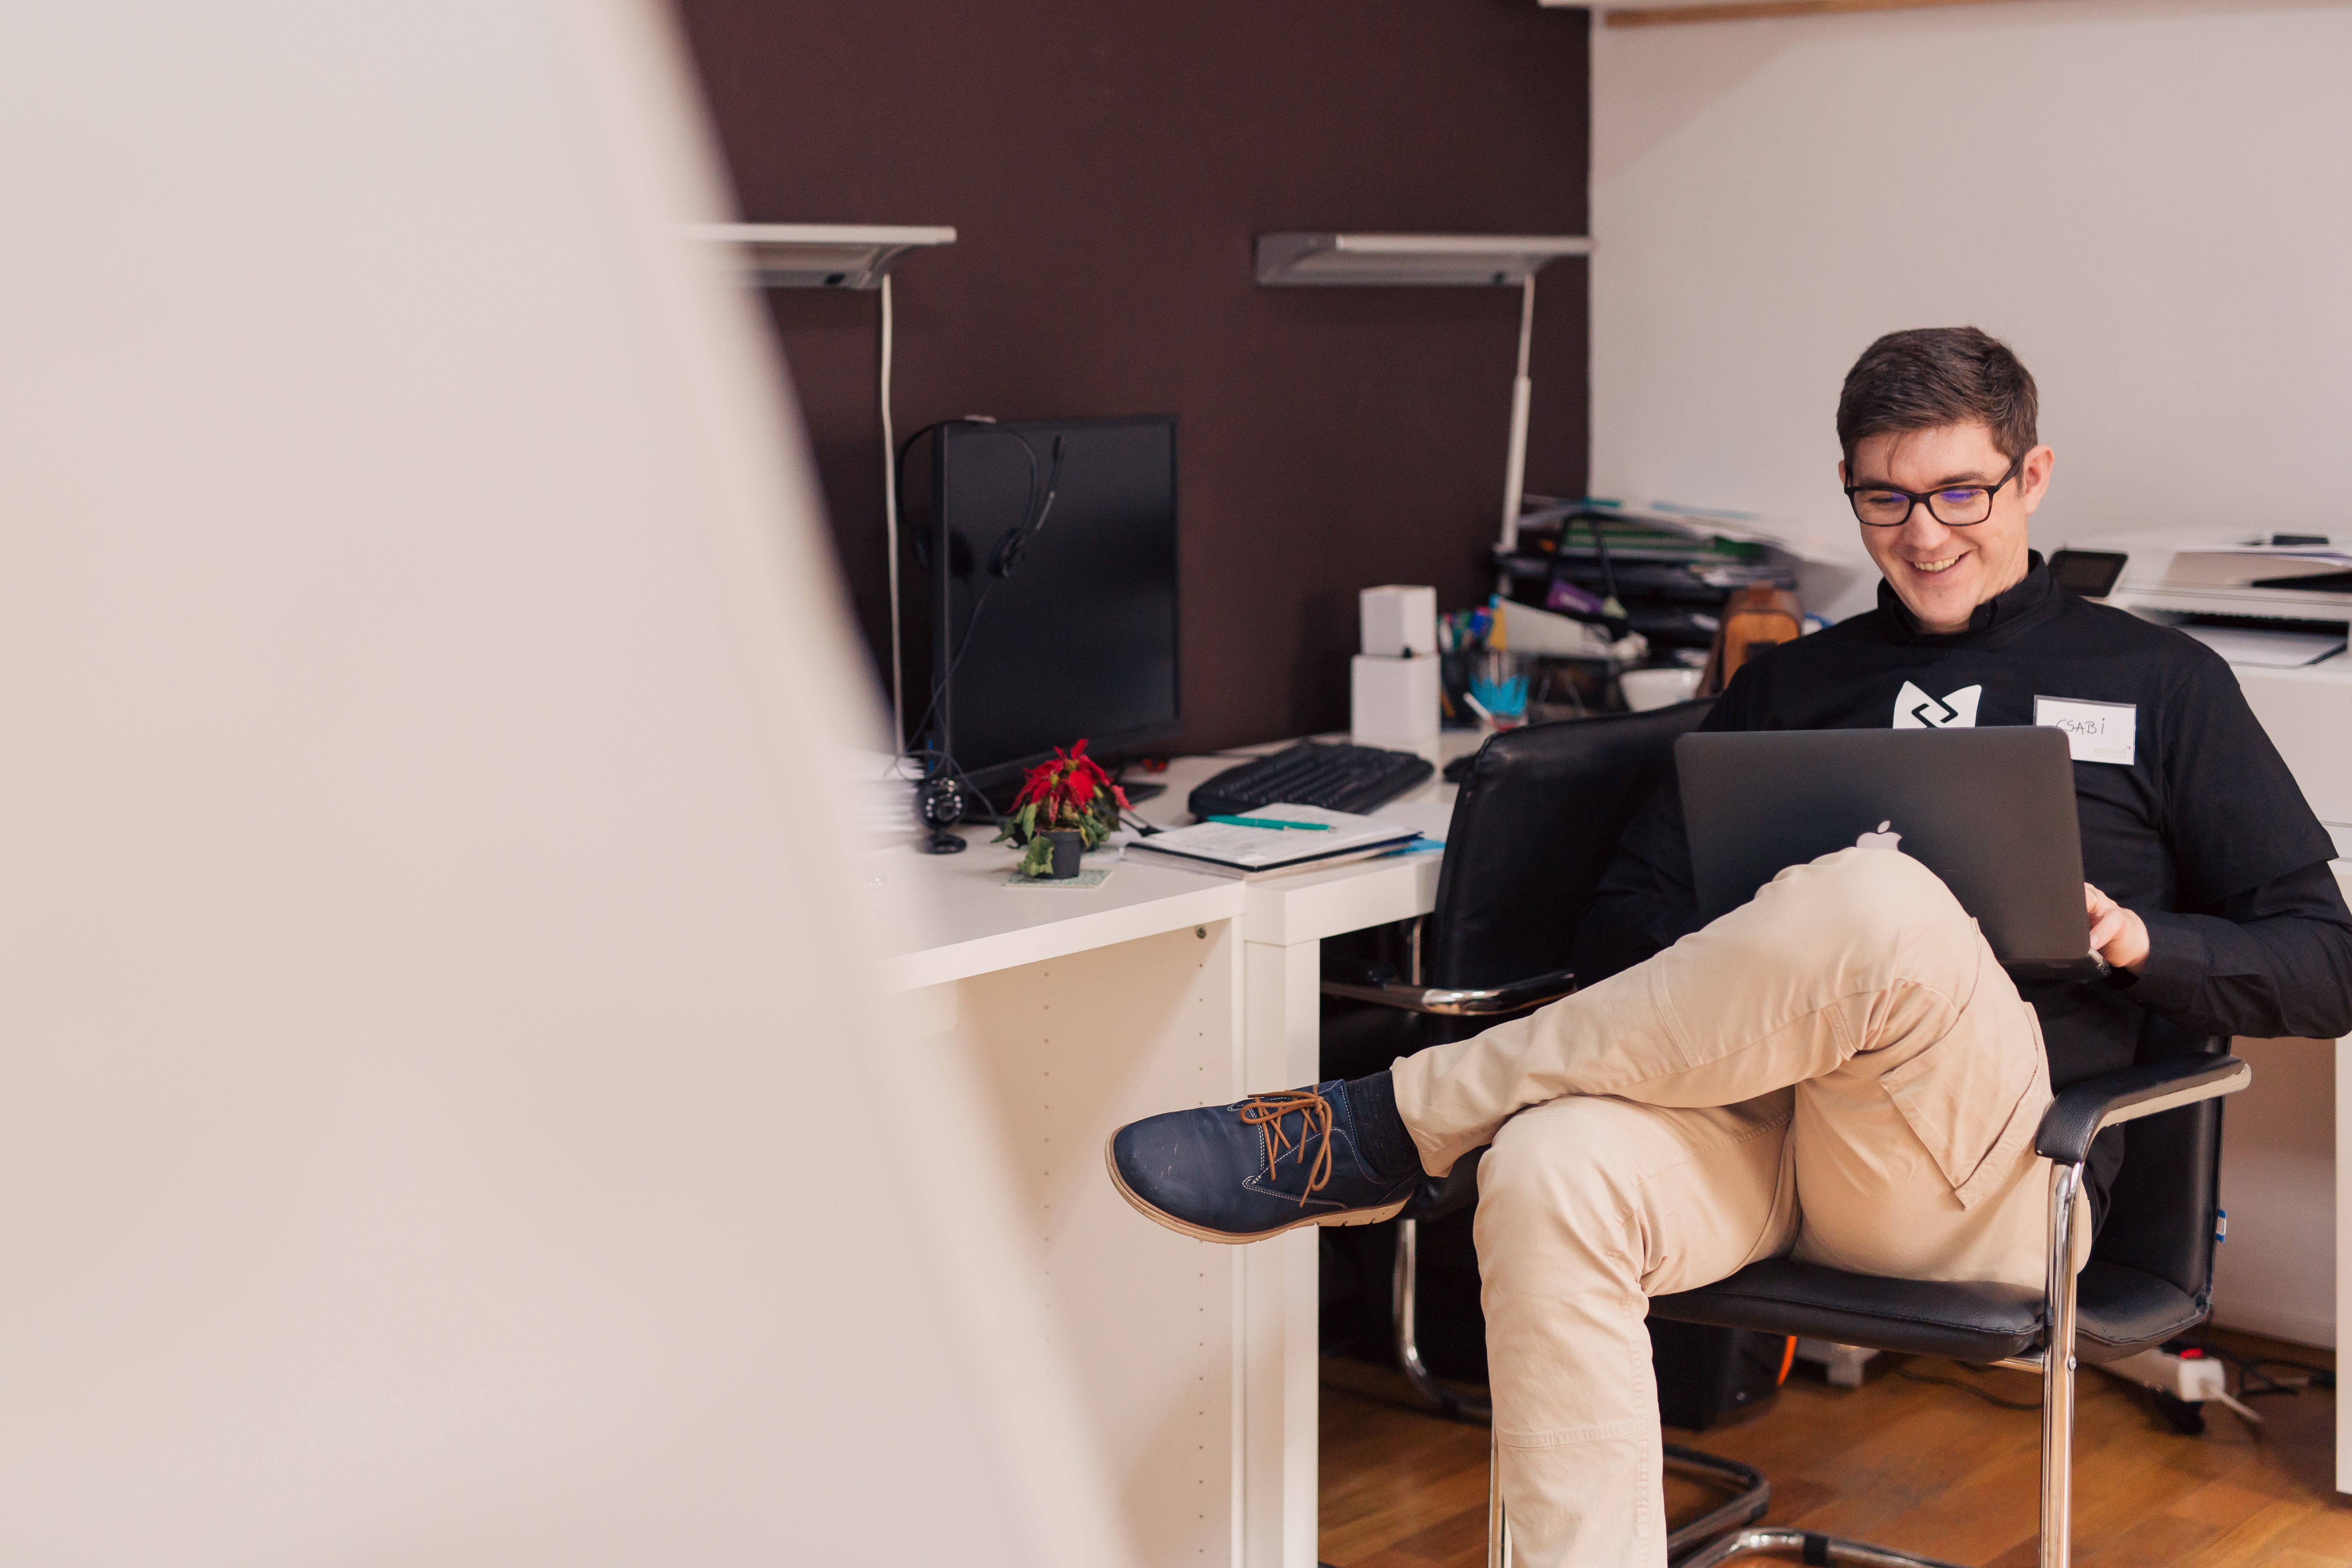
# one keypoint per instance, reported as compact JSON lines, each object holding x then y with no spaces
{"x":2078,"y":1114}
{"x":1532,"y":991}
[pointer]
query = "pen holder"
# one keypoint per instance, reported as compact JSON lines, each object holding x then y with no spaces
{"x":1498,"y":683}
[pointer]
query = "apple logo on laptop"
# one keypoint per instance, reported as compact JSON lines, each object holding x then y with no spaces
{"x":1881,"y":839}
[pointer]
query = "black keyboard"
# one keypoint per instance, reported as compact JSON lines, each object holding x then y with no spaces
{"x":1334,"y":777}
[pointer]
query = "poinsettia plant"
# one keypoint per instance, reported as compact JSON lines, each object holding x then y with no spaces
{"x":1069,"y":792}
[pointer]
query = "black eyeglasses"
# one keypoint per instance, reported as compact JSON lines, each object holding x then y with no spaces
{"x":1953,"y":506}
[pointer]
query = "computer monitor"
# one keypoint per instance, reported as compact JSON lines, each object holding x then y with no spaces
{"x":1075,"y":634}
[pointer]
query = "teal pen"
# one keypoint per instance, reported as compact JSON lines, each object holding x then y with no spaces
{"x":1272,"y":822}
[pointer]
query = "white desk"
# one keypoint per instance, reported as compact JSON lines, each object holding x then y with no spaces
{"x":1084,"y":1009}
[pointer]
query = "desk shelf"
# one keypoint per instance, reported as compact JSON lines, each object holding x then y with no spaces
{"x":823,"y":255}
{"x":1433,"y":260}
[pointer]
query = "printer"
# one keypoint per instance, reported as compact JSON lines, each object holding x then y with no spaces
{"x":2277,"y":606}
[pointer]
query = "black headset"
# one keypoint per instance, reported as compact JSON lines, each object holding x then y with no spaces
{"x":1005,"y":554}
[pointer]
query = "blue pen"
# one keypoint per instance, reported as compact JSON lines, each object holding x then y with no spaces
{"x":1272,"y":822}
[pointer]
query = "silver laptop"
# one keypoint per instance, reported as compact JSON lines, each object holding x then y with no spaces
{"x":1991,"y":811}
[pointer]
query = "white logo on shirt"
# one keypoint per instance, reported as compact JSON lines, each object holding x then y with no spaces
{"x":1914,"y":709}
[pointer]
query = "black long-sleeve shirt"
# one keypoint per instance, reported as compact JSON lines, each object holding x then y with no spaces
{"x":2203,"y":834}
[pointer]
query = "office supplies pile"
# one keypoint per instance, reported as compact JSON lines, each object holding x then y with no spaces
{"x":1665,"y":577}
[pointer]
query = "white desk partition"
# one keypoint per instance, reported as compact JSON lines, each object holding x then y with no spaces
{"x":447,"y":1112}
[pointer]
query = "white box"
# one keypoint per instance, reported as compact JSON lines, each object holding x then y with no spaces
{"x":1397,"y":622}
{"x":1394,"y":700}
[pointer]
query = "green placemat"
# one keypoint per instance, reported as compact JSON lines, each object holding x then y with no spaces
{"x":1093,"y":878}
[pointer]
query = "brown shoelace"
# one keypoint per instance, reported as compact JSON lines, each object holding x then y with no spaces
{"x":1266,"y":1111}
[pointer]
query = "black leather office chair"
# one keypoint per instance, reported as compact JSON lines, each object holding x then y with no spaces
{"x":1535,"y":824}
{"x":1533,"y":828}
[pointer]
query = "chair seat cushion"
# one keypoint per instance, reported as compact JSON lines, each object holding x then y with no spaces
{"x":1970,"y":1322}
{"x":2117,"y":1311}
{"x":2120,"y":1310}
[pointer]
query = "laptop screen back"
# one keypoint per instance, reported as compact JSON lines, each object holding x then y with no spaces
{"x":1989,"y":811}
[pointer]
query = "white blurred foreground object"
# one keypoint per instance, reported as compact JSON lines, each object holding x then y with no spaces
{"x":449,"y":1112}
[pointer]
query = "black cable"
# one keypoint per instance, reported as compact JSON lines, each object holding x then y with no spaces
{"x":1118,"y":780}
{"x":1987,"y":1395}
{"x":1007,"y":553}
{"x":939,"y":686}
{"x":1004,"y":558}
{"x":2315,"y":1370}
{"x":1600,"y":549}
{"x":1033,"y":518}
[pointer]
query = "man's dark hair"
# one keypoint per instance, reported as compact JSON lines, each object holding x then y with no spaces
{"x":1939,"y":375}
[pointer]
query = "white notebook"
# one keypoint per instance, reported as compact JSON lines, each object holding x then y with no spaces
{"x":1222,"y":849}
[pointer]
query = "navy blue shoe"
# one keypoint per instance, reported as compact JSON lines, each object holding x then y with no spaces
{"x":1247,"y":1171}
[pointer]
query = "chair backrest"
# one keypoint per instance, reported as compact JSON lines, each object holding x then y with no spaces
{"x":2160,"y":1213}
{"x":1534,"y":827}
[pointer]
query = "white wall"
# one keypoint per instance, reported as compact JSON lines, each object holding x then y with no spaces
{"x":2277,"y":1273}
{"x":446,"y":1098}
{"x":2150,"y":199}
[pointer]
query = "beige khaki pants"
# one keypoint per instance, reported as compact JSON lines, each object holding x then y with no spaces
{"x":1838,"y":1071}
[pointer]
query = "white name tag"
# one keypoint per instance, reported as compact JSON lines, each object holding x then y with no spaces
{"x":2096,"y":731}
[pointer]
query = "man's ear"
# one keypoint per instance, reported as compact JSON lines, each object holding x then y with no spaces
{"x":2033,"y":477}
{"x":1843,"y":481}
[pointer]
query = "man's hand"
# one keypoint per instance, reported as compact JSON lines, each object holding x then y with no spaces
{"x":2117,"y":935}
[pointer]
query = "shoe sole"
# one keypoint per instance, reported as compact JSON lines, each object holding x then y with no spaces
{"x":1235,"y":1239}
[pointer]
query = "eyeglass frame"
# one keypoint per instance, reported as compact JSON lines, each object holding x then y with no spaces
{"x":1917,"y":496}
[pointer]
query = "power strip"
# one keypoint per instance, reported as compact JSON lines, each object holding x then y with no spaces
{"x":2189,"y":1375}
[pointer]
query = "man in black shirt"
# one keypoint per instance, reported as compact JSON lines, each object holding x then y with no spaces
{"x":1838,"y":1069}
{"x":2199,"y":844}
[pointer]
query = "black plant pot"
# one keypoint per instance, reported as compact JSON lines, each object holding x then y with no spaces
{"x":1068,"y":845}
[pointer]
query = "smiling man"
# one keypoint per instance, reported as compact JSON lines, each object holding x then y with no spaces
{"x":1943,"y":504}
{"x":1838,"y":1071}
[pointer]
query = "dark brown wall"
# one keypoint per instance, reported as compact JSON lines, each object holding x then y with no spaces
{"x":1107,"y":166}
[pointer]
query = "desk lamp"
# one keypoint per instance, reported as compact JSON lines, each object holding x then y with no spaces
{"x":844,"y":255}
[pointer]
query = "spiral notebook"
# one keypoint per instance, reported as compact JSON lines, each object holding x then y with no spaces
{"x":1222,"y":849}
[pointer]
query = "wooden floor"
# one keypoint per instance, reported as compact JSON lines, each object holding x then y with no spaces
{"x":1897,"y":1462}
